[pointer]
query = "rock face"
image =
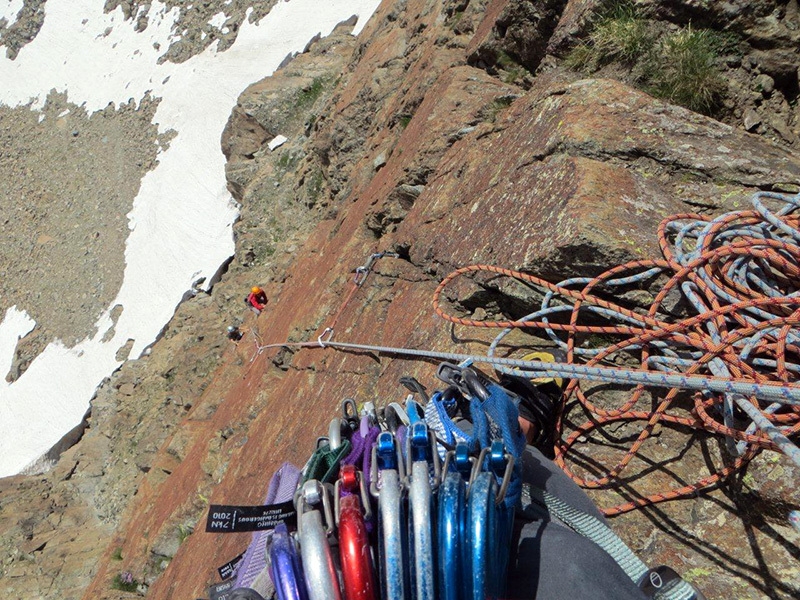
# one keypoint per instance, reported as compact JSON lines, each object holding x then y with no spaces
{"x":408,"y":139}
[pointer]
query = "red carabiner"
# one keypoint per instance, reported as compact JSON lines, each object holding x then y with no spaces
{"x":359,"y":582}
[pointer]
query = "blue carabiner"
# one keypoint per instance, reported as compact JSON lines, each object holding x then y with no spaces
{"x":284,"y":566}
{"x":481,"y":515}
{"x":414,"y":412}
{"x":489,"y":523}
{"x":452,"y":545}
{"x":501,"y":464}
{"x":422,"y":455}
{"x":386,"y":484}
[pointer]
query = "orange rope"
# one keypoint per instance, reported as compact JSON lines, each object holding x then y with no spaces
{"x":688,"y":333}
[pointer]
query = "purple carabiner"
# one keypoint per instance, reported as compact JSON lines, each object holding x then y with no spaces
{"x":284,"y":566}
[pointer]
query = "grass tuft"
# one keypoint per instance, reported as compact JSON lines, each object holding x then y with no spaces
{"x":687,"y":72}
{"x":621,"y":34}
{"x":681,"y":67}
{"x":307,"y":96}
{"x":184,"y":531}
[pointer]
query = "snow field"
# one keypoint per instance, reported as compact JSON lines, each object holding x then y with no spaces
{"x":181,"y":221}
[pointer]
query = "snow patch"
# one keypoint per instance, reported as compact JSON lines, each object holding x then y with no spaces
{"x":10,"y":9}
{"x":277,"y":141}
{"x":218,"y":20}
{"x":181,"y":220}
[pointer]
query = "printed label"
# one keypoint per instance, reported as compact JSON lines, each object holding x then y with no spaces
{"x":228,"y":519}
{"x":228,"y":570}
{"x":220,"y":591}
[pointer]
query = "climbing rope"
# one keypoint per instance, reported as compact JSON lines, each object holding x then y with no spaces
{"x":739,"y":273}
{"x":739,"y":352}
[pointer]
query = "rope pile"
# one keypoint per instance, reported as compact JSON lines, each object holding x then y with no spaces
{"x":739,"y":274}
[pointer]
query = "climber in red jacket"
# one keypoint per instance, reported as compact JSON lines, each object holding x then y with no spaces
{"x":257,"y":299}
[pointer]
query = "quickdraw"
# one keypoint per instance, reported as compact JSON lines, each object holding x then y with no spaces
{"x":422,"y":460}
{"x":453,"y":546}
{"x":388,"y":475}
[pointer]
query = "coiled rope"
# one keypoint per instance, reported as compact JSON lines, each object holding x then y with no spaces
{"x":740,"y":273}
{"x":740,"y":352}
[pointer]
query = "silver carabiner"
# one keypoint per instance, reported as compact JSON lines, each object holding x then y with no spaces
{"x":387,"y":477}
{"x":386,"y":457}
{"x":421,"y":446}
{"x":335,"y":433}
{"x":320,"y":571}
{"x":421,"y":452}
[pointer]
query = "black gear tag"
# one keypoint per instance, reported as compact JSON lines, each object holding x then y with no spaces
{"x":231,"y":519}
{"x":228,"y":570}
{"x":655,"y":580}
{"x":220,"y":591}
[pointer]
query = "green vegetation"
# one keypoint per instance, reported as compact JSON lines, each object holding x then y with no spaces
{"x":681,"y":66}
{"x":307,"y":96}
{"x":125,"y":582}
{"x":497,"y":105}
{"x":404,"y":120}
{"x":313,"y":186}
{"x":184,"y":532}
{"x":512,"y":70}
{"x":687,"y":73}
{"x":454,"y":20}
{"x":117,"y":555}
{"x":693,"y":574}
{"x":288,"y":160}
{"x":621,"y":34}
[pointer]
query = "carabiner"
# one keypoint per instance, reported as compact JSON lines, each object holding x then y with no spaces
{"x":369,"y":414}
{"x":394,"y":416}
{"x":421,"y":454}
{"x":481,"y":537}
{"x":351,"y":512}
{"x":350,"y":415}
{"x":284,"y":566}
{"x":452,"y":544}
{"x":363,"y":271}
{"x":470,"y":382}
{"x":386,"y":483}
{"x":489,"y":523}
{"x":335,"y":433}
{"x":421,"y":448}
{"x":321,"y":577}
{"x":415,"y":387}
